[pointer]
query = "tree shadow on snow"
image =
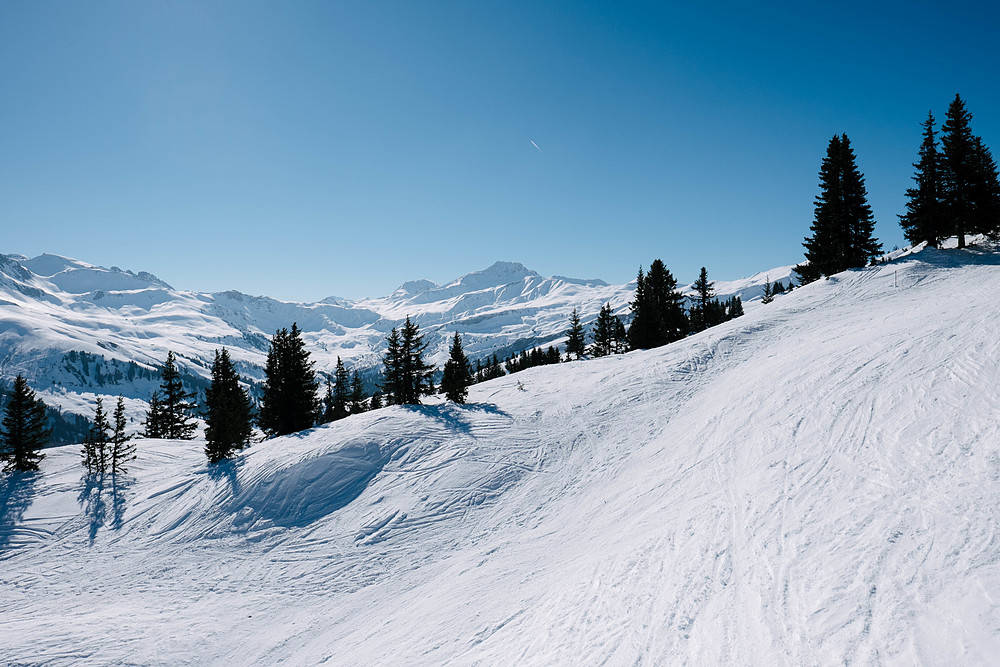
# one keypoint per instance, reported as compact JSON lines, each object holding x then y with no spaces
{"x":455,"y":416}
{"x":225,"y":471}
{"x":103,"y":498}
{"x":16,"y":493}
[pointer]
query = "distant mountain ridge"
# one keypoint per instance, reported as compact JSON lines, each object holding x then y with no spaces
{"x":76,"y":329}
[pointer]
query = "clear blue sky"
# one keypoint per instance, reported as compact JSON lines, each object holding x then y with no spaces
{"x":306,"y":149}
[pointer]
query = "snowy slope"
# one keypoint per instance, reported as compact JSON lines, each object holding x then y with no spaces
{"x":816,"y":482}
{"x":54,"y":308}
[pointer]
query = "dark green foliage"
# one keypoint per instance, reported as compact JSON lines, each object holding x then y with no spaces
{"x":228,"y":411}
{"x":768,"y":291}
{"x":658,"y":311}
{"x":155,"y":425}
{"x":121,"y":445}
{"x":176,"y":408}
{"x":406,"y":377}
{"x":526,"y":359}
{"x":23,"y":433}
{"x":843,"y":225}
{"x":608,"y":333}
{"x":338,"y":394}
{"x":376,"y":401}
{"x":699,"y":315}
{"x":456,"y":376}
{"x":576,"y":338}
{"x":924,"y":218}
{"x":95,"y":447}
{"x":734,"y":307}
{"x":357,"y":394}
{"x":491,"y":369}
{"x":289,"y":403}
{"x":778,"y":288}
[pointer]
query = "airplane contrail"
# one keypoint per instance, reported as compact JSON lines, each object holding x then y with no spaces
{"x":535,"y":145}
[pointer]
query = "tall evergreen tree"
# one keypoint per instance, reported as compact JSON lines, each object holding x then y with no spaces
{"x":95,"y":447}
{"x":924,"y":220}
{"x":176,"y":406}
{"x":228,"y":411}
{"x":843,"y":225}
{"x":328,"y":402}
{"x":341,"y":392}
{"x":958,"y":171}
{"x":376,"y":402}
{"x":701,"y":317}
{"x":155,"y":426}
{"x":393,"y":381}
{"x":121,"y":445}
{"x":417,"y":373}
{"x":576,"y":341}
{"x":658,"y":309}
{"x":985,"y":191}
{"x":289,"y":403}
{"x":357,"y":394}
{"x":604,"y":332}
{"x":457,"y":376}
{"x":768,"y":291}
{"x":23,"y":432}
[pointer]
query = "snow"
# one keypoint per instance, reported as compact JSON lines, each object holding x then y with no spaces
{"x":816,"y":482}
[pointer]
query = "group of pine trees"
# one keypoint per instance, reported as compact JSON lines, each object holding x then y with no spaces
{"x":956,"y":191}
{"x":108,"y":447}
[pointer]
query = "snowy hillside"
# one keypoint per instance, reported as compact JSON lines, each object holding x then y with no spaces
{"x":76,"y":330}
{"x":817,"y":482}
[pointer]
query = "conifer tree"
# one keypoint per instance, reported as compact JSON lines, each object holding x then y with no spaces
{"x":457,"y":377}
{"x":734,"y":307}
{"x":376,"y":402}
{"x":417,"y":374}
{"x":604,"y":332}
{"x":121,"y":445}
{"x":155,"y":426}
{"x":393,"y":381}
{"x":768,"y":291}
{"x":701,"y":318}
{"x":289,"y":403}
{"x":176,"y":407}
{"x":620,"y":340}
{"x":328,"y":403}
{"x":23,"y":432}
{"x":576,"y":342}
{"x":658,"y":310}
{"x":357,"y":394}
{"x":228,"y":418}
{"x":924,"y":220}
{"x":957,"y":170}
{"x":843,"y":226}
{"x":341,"y":392}
{"x":95,"y":447}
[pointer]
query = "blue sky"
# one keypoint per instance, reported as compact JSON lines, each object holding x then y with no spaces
{"x":307,"y":149}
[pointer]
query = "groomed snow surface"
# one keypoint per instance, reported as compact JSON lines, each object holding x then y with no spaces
{"x":816,"y":482}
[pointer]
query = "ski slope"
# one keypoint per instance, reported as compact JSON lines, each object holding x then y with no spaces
{"x":816,"y":482}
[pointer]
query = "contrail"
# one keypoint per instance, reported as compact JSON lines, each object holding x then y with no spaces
{"x":535,"y":145}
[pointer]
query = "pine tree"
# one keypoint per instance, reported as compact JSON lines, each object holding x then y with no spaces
{"x":357,"y":394}
{"x":923,"y":220}
{"x":341,"y":392}
{"x":228,"y":411}
{"x":376,"y":401}
{"x":328,"y":403}
{"x":457,"y":376}
{"x":985,"y":191}
{"x":95,"y":447}
{"x":576,"y":342}
{"x":177,"y":423}
{"x":604,"y":332}
{"x":768,"y":291}
{"x":416,"y":378}
{"x":958,"y":173}
{"x":658,"y":310}
{"x":289,"y":403}
{"x":620,"y":340}
{"x":121,"y":445}
{"x":23,"y":432}
{"x":393,"y":382}
{"x":843,"y":226}
{"x":700,"y":316}
{"x":154,"y":424}
{"x":734,"y":307}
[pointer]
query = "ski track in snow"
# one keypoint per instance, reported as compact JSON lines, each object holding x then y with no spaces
{"x":816,"y":482}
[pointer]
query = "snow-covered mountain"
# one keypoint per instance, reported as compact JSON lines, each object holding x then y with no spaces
{"x":75,"y":330}
{"x":817,"y":482}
